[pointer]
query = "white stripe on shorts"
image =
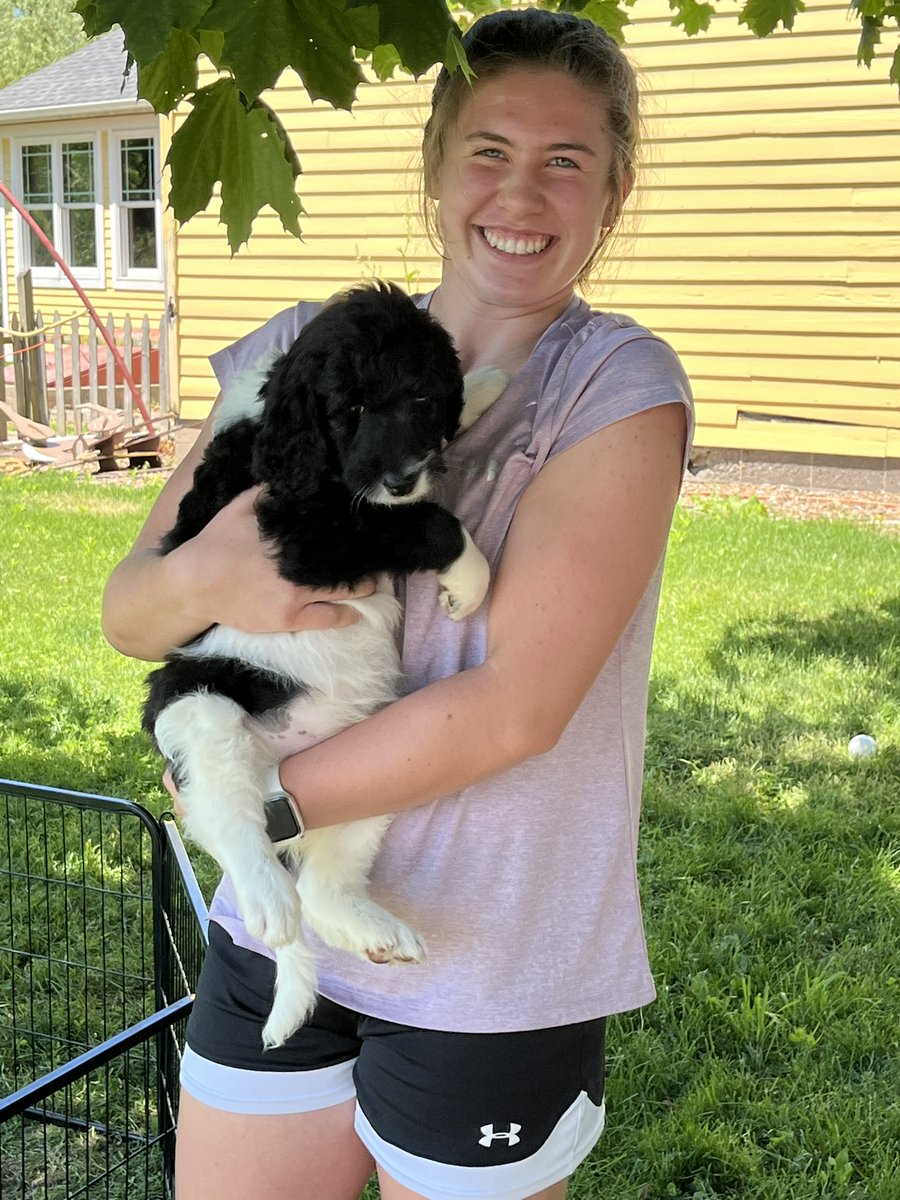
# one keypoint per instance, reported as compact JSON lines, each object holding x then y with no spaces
{"x":233,"y":1089}
{"x":574,"y":1136}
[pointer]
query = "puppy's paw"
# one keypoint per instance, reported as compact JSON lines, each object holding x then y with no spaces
{"x":362,"y":927}
{"x":480,"y":389}
{"x":395,"y":944}
{"x":465,"y":582}
{"x":269,"y":905}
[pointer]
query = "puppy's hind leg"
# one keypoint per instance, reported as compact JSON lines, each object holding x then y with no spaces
{"x":332,"y":885}
{"x":219,"y":766}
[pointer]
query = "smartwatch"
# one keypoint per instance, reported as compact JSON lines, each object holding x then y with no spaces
{"x":283,"y":819}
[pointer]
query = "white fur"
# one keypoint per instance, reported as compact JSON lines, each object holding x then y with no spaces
{"x":225,"y":756}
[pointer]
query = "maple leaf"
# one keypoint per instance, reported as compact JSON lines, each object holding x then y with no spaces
{"x":692,"y":16}
{"x":311,"y":36}
{"x":243,"y":147}
{"x":761,"y":16}
{"x":608,"y":14}
{"x":147,"y":26}
{"x":172,"y":75}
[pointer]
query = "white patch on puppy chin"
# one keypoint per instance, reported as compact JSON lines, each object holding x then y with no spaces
{"x":465,"y":582}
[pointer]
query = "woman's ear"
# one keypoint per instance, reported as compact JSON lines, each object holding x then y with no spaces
{"x":617,"y":203}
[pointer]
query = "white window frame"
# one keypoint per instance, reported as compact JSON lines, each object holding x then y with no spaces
{"x":134,"y":278}
{"x":53,"y":276}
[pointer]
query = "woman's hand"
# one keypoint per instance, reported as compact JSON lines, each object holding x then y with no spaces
{"x":234,"y":581}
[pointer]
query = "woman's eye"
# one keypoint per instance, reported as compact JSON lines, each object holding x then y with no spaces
{"x":489,"y":152}
{"x":561,"y":161}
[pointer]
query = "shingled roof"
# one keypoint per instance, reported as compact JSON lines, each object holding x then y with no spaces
{"x":89,"y":80}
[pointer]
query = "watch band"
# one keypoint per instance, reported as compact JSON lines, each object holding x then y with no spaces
{"x":284,"y":821}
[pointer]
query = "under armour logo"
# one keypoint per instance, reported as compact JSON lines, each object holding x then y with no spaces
{"x":511,"y":1135}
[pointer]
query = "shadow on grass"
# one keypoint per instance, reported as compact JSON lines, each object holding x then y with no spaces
{"x":62,"y":734}
{"x":849,"y":635}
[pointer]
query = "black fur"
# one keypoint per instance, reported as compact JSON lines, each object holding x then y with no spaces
{"x":370,"y":386}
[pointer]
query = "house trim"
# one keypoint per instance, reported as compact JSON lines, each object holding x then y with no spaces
{"x":64,"y":112}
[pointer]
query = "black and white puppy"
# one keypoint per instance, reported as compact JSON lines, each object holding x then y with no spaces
{"x":345,"y":433}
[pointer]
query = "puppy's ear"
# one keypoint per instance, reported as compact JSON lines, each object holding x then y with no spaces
{"x":290,"y":452}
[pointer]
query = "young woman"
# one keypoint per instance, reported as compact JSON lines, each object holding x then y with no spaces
{"x":515,"y":761}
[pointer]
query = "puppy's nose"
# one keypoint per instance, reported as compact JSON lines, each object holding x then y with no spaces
{"x":401,"y":484}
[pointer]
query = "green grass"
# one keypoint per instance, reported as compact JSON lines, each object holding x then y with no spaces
{"x":768,"y":1067}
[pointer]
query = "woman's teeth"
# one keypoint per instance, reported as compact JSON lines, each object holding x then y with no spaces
{"x":508,"y":245}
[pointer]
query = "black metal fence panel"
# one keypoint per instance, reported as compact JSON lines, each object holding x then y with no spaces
{"x":102,"y":933}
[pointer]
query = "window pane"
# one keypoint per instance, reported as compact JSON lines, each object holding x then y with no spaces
{"x":138,"y":169}
{"x":78,"y":173}
{"x":142,"y":238}
{"x":38,"y":254}
{"x":37,"y":175}
{"x":82,"y":237}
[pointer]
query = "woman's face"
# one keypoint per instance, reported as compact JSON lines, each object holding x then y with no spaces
{"x":524,"y":189}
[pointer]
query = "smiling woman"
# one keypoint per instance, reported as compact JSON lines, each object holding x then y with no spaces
{"x":515,"y":759}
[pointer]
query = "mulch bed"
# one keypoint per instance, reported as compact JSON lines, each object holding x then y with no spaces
{"x":871,"y":508}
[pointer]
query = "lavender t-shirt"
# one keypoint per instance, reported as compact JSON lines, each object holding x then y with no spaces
{"x":524,"y":886}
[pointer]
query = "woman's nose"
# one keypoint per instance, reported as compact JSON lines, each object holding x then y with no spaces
{"x":521,"y":192}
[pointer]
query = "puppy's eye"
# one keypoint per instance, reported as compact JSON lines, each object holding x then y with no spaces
{"x":356,"y":410}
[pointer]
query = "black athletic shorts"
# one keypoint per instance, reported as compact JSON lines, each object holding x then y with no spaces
{"x":499,"y":1115}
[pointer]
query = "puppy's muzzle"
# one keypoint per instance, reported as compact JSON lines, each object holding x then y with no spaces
{"x":402,"y":484}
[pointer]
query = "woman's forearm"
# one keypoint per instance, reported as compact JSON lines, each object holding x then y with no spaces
{"x":148,"y":607}
{"x":432,"y":743}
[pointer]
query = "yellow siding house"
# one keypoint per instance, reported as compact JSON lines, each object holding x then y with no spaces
{"x":765,"y":243}
{"x":83,"y":155}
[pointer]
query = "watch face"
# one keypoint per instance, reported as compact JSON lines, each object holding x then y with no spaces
{"x":281,"y":820}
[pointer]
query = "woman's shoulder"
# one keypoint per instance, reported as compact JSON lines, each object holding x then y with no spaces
{"x":273,"y":337}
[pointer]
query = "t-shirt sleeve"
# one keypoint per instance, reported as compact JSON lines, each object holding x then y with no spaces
{"x":610,"y":378}
{"x":277,"y":335}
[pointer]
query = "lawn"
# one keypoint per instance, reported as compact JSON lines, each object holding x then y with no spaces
{"x":768,"y":1067}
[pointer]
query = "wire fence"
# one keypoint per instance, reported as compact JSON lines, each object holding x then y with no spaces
{"x":102,"y":933}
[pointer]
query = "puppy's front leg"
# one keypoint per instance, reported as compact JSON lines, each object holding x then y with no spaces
{"x":465,"y":582}
{"x":219,"y":766}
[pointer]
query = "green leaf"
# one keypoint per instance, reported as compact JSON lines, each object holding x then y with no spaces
{"x":869,"y":8}
{"x":212,"y":43}
{"x":418,"y":28}
{"x":172,"y":75}
{"x":894,"y":74}
{"x":761,"y":16}
{"x":262,"y":37}
{"x":869,"y":38}
{"x":147,"y":25}
{"x":385,"y":61}
{"x":608,"y":14}
{"x":455,"y":56}
{"x":692,"y":16}
{"x":222,"y":141}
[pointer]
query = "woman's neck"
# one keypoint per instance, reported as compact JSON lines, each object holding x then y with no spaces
{"x":489,"y":336}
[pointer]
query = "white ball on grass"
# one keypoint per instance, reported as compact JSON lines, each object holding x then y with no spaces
{"x":862,"y":746}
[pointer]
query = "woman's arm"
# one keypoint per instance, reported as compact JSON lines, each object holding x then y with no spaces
{"x":583,"y":546}
{"x":225,"y":575}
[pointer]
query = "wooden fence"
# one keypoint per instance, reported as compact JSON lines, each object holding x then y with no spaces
{"x":59,"y":371}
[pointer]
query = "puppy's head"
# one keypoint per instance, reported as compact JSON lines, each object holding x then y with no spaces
{"x":376,"y":383}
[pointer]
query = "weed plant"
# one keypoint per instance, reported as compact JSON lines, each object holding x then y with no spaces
{"x":768,"y":1067}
